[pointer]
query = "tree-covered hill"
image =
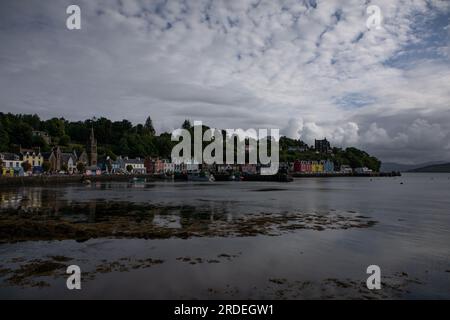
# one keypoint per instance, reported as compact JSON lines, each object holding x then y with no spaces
{"x":443,"y":168}
{"x":123,"y":138}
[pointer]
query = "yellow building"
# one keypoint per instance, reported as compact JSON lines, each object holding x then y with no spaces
{"x":35,"y":160}
{"x":320,"y":168}
{"x":7,"y":171}
{"x":316,"y":167}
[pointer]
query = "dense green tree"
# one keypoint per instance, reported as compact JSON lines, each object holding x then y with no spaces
{"x":46,"y":166}
{"x":124,"y":138}
{"x":32,"y":120}
{"x":55,"y":127}
{"x":4,"y":139}
{"x":64,"y":140}
{"x":186,"y":125}
{"x":26,"y":166}
{"x":80,"y":167}
{"x":21,"y":134}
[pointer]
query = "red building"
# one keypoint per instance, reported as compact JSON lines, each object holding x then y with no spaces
{"x":297,"y":166}
{"x":149,"y":165}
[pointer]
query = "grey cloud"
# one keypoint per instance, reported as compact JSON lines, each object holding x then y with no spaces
{"x":236,"y":64}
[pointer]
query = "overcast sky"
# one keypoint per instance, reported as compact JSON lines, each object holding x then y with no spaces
{"x":311,"y":68}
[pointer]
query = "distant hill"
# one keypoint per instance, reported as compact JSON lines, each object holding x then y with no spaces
{"x":392,"y":166}
{"x":445,"y":167}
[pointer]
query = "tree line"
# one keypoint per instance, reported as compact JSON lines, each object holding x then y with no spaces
{"x":140,"y":140}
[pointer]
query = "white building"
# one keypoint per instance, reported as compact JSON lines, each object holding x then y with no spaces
{"x":363,"y":170}
{"x":70,"y":161}
{"x":169,"y":167}
{"x":192,"y":165}
{"x":11,"y":164}
{"x":346,"y":169}
{"x":10,"y":160}
{"x":137,"y":165}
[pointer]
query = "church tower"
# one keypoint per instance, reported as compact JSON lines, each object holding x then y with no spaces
{"x":92,"y":149}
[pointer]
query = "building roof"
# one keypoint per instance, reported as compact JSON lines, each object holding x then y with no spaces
{"x":9,"y":156}
{"x":66,"y":156}
{"x":46,"y":155}
{"x":93,"y":168}
{"x":134,"y":161}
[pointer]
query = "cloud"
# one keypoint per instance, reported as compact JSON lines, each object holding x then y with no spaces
{"x":311,"y":68}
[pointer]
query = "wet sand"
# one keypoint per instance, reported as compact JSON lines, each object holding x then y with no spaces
{"x":81,"y":222}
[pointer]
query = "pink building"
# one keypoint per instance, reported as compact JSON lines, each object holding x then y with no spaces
{"x":305,"y":166}
{"x":248,"y":168}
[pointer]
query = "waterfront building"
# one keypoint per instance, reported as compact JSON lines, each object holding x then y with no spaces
{"x":224,"y":168}
{"x":363,"y":170}
{"x":179,"y":167}
{"x":346,"y":169}
{"x":305,"y":166}
{"x":192,"y":165}
{"x":55,"y":159}
{"x":83,"y":158}
{"x":61,"y":161}
{"x":168,"y":166}
{"x":69,"y":162}
{"x":314,"y":166}
{"x":34,"y":159}
{"x":104,"y":164}
{"x":249,"y":168}
{"x":149,"y":165}
{"x":328,"y":166}
{"x":11,"y":164}
{"x":209,"y":167}
{"x":136,"y":164}
{"x":297,"y":166}
{"x":93,"y":171}
{"x":118,"y":165}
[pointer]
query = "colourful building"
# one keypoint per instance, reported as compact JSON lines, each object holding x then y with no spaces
{"x":149,"y":165}
{"x":315,"y":167}
{"x":33,"y":158}
{"x":11,"y":164}
{"x":305,"y":167}
{"x":328,"y":166}
{"x":297,"y":167}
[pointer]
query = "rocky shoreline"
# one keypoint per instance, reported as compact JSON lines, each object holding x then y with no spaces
{"x":82,"y":222}
{"x":44,"y":180}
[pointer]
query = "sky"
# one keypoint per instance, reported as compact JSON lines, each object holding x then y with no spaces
{"x":311,"y":68}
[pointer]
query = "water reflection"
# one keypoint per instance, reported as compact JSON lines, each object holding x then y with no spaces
{"x":250,"y":237}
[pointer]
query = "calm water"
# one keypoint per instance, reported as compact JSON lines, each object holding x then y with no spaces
{"x":410,"y":241}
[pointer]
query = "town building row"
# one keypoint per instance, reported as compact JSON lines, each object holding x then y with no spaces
{"x":33,"y":162}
